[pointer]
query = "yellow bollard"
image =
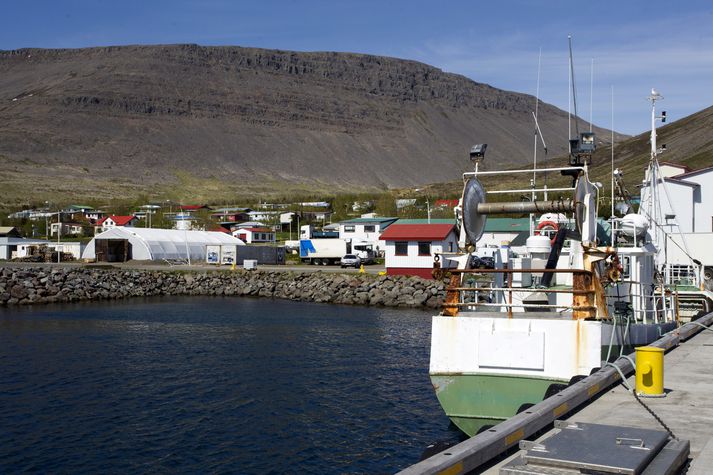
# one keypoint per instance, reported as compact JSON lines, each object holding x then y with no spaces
{"x":649,"y":371}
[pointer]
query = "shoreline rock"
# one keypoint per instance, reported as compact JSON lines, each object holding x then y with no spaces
{"x":39,"y":285}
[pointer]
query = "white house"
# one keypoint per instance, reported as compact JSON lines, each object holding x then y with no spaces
{"x":67,"y":229}
{"x":365,"y":231}
{"x":686,"y":200}
{"x":266,"y":216}
{"x":410,"y":248}
{"x":104,"y":224}
{"x":12,"y":245}
{"x":254,"y":235}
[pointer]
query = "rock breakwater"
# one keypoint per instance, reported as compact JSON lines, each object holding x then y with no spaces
{"x":34,"y":285}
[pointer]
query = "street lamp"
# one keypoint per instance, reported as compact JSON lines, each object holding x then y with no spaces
{"x":47,"y":225}
{"x":59,"y":233}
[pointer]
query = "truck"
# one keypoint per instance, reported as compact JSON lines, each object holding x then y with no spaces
{"x":325,"y":247}
{"x":323,"y":251}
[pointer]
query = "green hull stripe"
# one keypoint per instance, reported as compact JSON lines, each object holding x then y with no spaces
{"x":473,"y":401}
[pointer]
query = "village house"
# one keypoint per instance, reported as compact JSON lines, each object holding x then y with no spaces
{"x":113,"y":221}
{"x":445,"y":204}
{"x":66,"y":229}
{"x":410,"y":248}
{"x":13,"y":245}
{"x":255,"y":235}
{"x":231,"y":215}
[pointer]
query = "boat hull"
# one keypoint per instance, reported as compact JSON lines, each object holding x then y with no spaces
{"x":485,"y":368}
{"x":476,"y":402}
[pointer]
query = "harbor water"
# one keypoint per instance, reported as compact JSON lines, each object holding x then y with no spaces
{"x":215,"y":384}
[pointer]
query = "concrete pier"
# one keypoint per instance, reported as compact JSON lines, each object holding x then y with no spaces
{"x":687,"y":408}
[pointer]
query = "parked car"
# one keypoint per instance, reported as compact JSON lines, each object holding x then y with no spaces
{"x":350,"y":260}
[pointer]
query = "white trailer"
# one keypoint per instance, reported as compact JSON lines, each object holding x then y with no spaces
{"x":323,"y":251}
{"x":365,"y":252}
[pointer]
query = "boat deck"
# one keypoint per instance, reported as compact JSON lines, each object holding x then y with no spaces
{"x":687,"y":408}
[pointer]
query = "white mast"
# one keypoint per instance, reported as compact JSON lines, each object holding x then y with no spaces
{"x":612,"y":153}
{"x":591,"y":95}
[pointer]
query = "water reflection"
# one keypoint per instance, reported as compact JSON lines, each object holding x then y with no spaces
{"x":215,"y":384}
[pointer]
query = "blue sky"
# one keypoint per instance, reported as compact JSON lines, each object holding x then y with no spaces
{"x":634,"y":45}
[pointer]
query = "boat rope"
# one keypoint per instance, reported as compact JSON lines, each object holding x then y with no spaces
{"x":700,"y":325}
{"x":630,"y":389}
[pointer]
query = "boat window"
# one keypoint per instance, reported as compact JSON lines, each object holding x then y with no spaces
{"x":626,"y":267}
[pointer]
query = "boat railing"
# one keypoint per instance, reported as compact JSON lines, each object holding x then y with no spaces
{"x":531,"y":171}
{"x":679,"y":274}
{"x":460,"y":296}
{"x":661,"y":308}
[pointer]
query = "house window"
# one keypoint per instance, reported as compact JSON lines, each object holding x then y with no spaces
{"x":369,"y":228}
{"x":401,"y":248}
{"x":424,"y":248}
{"x":349,"y":228}
{"x":450,"y":246}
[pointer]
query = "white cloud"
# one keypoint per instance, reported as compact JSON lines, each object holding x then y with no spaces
{"x":675,"y":55}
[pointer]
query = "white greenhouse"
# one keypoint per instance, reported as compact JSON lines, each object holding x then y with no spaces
{"x":121,"y":244}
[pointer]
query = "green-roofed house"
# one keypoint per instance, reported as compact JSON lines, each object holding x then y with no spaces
{"x":365,"y":232}
{"x":497,"y":230}
{"x":500,"y":230}
{"x":87,"y":212}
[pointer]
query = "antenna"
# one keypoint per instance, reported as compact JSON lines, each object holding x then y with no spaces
{"x":582,"y":145}
{"x":537,"y":127}
{"x":612,"y":152}
{"x":591,"y":95}
{"x":574,"y":87}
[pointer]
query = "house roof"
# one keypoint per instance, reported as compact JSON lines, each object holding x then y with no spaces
{"x":692,"y":173}
{"x":368,"y":220}
{"x":412,"y":232}
{"x":121,"y":220}
{"x":494,"y":225}
{"x":256,"y":230}
{"x":192,"y":207}
{"x":426,"y":221}
{"x":9,"y":231}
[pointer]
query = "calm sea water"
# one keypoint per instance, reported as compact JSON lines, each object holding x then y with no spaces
{"x":226,"y":385}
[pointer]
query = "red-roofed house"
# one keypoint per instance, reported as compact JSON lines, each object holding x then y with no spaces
{"x":445,"y":203}
{"x":410,"y":247}
{"x":112,"y":221}
{"x":253,"y":235}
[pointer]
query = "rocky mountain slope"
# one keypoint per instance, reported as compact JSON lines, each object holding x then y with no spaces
{"x":210,"y":123}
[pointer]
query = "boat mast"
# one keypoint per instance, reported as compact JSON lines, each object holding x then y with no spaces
{"x":652,"y":208}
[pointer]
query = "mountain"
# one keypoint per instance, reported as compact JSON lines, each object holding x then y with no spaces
{"x":688,"y":142}
{"x":215,"y":123}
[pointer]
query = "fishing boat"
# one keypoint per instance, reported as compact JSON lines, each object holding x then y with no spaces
{"x":551,"y":311}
